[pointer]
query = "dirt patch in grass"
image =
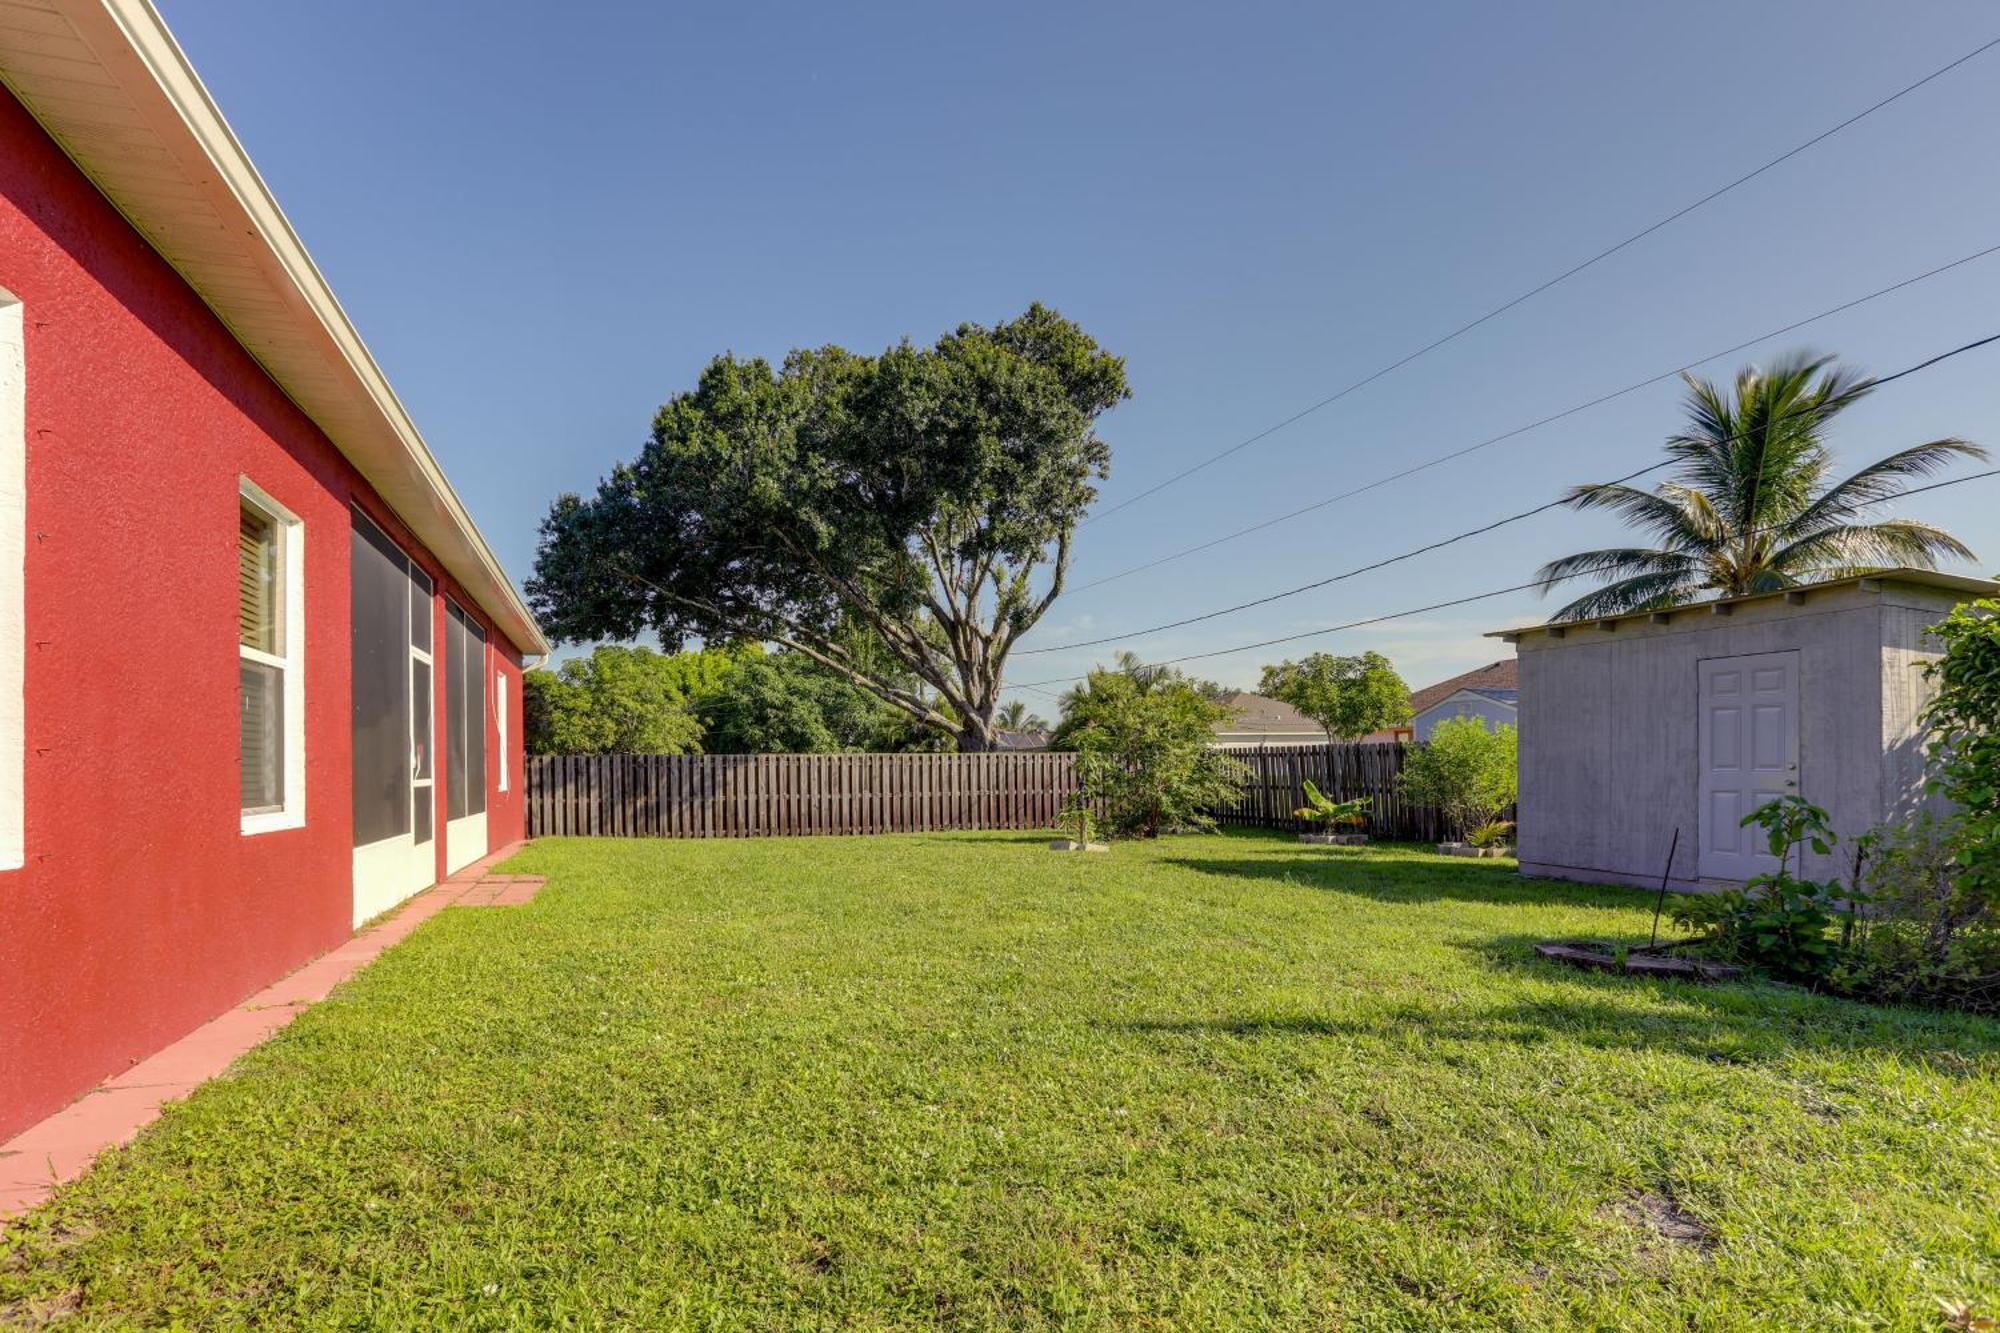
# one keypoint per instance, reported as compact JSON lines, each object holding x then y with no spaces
{"x":1660,"y":1216}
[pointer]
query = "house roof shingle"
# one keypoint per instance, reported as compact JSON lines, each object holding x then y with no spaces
{"x":1256,"y":713}
{"x":1491,"y":680}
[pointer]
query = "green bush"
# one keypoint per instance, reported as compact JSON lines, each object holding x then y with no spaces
{"x":1464,"y":770}
{"x":1927,"y":937}
{"x":1930,"y":937}
{"x":1964,"y":723}
{"x":1145,"y":741}
{"x":1779,"y":922}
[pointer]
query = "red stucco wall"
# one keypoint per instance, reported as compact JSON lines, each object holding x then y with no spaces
{"x":142,"y":910}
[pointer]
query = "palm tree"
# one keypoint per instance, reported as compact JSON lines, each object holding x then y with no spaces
{"x":1014,"y":716}
{"x":1748,"y":508}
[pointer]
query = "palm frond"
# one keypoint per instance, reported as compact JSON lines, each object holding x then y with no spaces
{"x":1859,"y":547}
{"x":1881,"y":481}
{"x":1645,"y":592}
{"x":1623,"y":561}
{"x":1661,"y":512}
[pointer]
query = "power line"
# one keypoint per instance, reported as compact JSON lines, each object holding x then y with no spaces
{"x":1532,"y":292}
{"x":1469,"y":533}
{"x":1504,"y":436}
{"x":1434,"y":606}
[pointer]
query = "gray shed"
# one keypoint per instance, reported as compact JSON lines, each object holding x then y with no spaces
{"x":1636,"y":725}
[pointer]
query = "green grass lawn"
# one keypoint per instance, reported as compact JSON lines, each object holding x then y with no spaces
{"x":958,"y":1080}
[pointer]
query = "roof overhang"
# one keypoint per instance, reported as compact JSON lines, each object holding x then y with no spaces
{"x":1957,"y":584}
{"x":110,"y":85}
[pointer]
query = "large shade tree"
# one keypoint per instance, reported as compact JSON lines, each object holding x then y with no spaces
{"x":622,"y":700}
{"x":1348,"y":696}
{"x":927,"y":494}
{"x":1750,"y":506}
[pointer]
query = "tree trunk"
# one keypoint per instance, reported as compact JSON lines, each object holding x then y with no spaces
{"x":974,"y":739}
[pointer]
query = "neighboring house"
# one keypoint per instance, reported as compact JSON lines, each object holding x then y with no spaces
{"x":1257,"y":720}
{"x":1491,"y":693}
{"x":259,"y":673}
{"x":1023,"y":740}
{"x":1635,"y":726}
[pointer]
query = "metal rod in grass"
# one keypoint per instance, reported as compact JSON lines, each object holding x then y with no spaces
{"x":1660,"y":903}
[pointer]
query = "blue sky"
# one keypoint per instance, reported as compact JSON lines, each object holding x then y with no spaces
{"x":546,"y":221}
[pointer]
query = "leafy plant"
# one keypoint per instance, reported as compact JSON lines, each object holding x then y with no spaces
{"x":1779,"y":921}
{"x":1077,"y":819}
{"x":1322,"y":809}
{"x":1964,"y":749}
{"x":1464,"y":770}
{"x":1493,"y":833}
{"x":1930,"y":937}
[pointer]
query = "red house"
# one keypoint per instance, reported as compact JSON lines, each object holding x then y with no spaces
{"x":259,"y":672}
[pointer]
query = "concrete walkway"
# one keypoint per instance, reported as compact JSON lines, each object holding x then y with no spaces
{"x":61,"y":1148}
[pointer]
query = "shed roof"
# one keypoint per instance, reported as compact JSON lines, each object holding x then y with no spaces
{"x":109,"y":84}
{"x":1923,"y":578}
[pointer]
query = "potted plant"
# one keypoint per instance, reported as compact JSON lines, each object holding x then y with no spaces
{"x":1339,"y":821}
{"x":1468,"y":774}
{"x":1488,"y":839}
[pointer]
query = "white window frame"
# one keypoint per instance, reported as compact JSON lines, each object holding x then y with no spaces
{"x":500,"y":722}
{"x":292,"y":634}
{"x":13,"y":569}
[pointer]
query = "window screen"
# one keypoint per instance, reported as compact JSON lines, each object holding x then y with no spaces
{"x":380,"y":629}
{"x":465,"y":715}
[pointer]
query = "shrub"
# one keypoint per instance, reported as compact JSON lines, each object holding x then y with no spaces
{"x":1964,"y":723}
{"x":1464,"y":770}
{"x":1147,"y":744}
{"x":1930,"y":937}
{"x":1779,"y":921}
{"x":1493,"y":833}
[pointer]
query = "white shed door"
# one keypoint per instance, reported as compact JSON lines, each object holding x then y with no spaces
{"x":1749,"y":712}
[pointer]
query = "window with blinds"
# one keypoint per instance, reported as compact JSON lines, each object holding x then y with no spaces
{"x":266,"y":649}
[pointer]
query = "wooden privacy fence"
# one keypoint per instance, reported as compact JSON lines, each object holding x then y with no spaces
{"x":1277,"y":787}
{"x":763,"y":795}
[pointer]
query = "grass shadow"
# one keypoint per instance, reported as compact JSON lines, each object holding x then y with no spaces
{"x":1747,"y":1023}
{"x":1411,"y":873}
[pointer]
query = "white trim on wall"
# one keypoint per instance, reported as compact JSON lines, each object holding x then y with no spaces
{"x":292,"y":623}
{"x":13,"y":569}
